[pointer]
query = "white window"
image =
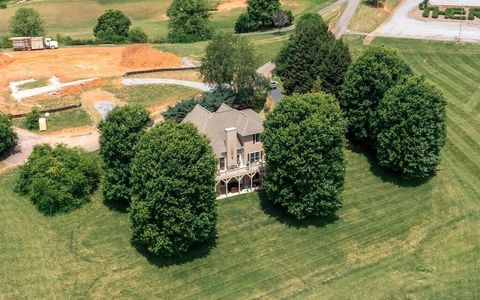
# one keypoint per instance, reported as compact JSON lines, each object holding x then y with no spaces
{"x":257,"y":139}
{"x":254,"y":157}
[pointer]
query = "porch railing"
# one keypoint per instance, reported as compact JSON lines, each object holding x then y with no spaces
{"x":240,"y":171}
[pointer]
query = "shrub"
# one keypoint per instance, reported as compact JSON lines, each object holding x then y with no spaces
{"x":210,"y":101}
{"x":411,"y":128}
{"x":67,"y":40}
{"x":5,"y":42}
{"x":137,"y":35}
{"x":258,"y":16}
{"x":112,"y":27}
{"x":245,"y":24}
{"x":173,"y":180}
{"x":58,"y":179}
{"x":374,"y":72}
{"x":119,"y":133}
{"x":304,"y":140}
{"x":189,"y":21}
{"x":474,"y":12}
{"x":8,"y":137}
{"x":31,"y":119}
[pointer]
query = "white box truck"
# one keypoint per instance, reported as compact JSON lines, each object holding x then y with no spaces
{"x":33,"y":43}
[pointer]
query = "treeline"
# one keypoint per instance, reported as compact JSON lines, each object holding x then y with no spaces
{"x":189,"y":21}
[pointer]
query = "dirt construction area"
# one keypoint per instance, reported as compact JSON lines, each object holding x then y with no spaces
{"x":405,"y":23}
{"x":72,"y":64}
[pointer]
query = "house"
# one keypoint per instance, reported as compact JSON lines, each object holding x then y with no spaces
{"x":235,"y":136}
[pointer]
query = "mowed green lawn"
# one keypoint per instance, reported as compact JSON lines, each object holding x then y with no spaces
{"x":392,"y":238}
{"x":78,"y":17}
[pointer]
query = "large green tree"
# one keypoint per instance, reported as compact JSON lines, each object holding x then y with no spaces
{"x":112,"y":27}
{"x":230,"y":62}
{"x":173,"y":180}
{"x":119,"y":133}
{"x":372,"y":74}
{"x":58,"y":179}
{"x":189,"y":21}
{"x":304,"y":140}
{"x":8,"y":137}
{"x":262,"y":14}
{"x":313,"y":59}
{"x":411,"y":128}
{"x":27,"y":22}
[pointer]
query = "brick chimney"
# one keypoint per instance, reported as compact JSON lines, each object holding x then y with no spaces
{"x":231,"y":143}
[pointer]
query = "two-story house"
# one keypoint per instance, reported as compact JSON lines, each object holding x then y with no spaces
{"x":235,"y":136}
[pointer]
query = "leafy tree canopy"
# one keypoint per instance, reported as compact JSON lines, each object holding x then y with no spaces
{"x":373,"y":73}
{"x":189,"y":21}
{"x":210,"y":101}
{"x":112,"y":27}
{"x":8,"y":137}
{"x":119,"y":133}
{"x":31,"y":119}
{"x":313,"y":60}
{"x":173,"y":179}
{"x":304,"y":143}
{"x":230,"y":62}
{"x":137,"y":35}
{"x":27,"y":22}
{"x":263,"y":14}
{"x":58,"y":179}
{"x":411,"y":128}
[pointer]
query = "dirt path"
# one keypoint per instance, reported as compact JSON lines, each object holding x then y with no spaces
{"x":87,"y":139}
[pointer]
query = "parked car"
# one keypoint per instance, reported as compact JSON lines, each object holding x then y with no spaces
{"x":273,"y":84}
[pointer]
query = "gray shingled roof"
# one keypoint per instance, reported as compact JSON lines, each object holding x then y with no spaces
{"x":247,"y":122}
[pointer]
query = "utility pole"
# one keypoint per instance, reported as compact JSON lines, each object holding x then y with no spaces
{"x":461,"y":21}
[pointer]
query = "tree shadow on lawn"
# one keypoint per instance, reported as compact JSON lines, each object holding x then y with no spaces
{"x":385,"y":175}
{"x":118,"y":206}
{"x":281,"y":214}
{"x":197,"y":251}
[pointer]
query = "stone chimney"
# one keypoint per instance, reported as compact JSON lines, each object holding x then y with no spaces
{"x":231,"y":143}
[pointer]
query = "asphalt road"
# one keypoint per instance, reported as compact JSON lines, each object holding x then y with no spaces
{"x":342,"y":23}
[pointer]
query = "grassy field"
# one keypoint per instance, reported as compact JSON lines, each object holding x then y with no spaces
{"x":267,"y":46}
{"x":66,"y":119}
{"x":156,"y":94}
{"x":392,"y":238}
{"x":368,"y":17}
{"x":78,"y":17}
{"x":34,"y":84}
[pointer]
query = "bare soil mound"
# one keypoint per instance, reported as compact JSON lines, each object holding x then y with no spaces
{"x":140,"y":55}
{"x":5,"y":60}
